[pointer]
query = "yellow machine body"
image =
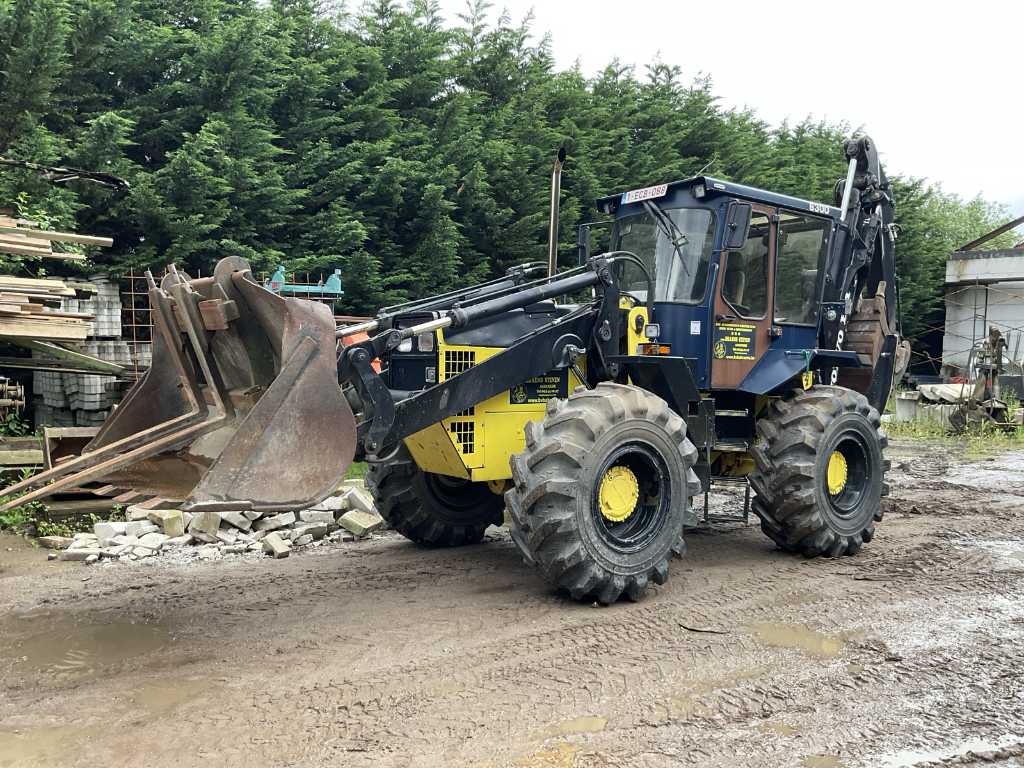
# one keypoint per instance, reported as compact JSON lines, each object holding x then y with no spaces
{"x":476,"y":444}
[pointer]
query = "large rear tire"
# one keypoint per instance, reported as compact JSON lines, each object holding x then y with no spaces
{"x":820,"y":471}
{"x":430,"y":509}
{"x":600,"y":493}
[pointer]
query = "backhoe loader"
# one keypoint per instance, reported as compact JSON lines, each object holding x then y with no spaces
{"x":728,"y":332}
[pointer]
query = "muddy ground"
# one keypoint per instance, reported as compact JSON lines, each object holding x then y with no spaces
{"x":381,"y":654}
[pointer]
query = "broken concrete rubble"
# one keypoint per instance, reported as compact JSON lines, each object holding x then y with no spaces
{"x":153,"y":540}
{"x":361,"y":523}
{"x":360,"y":500}
{"x":275,"y":521}
{"x":324,"y":516}
{"x":170,"y":521}
{"x":237,"y":519}
{"x":204,"y":526}
{"x":55,"y":542}
{"x":139,"y":528}
{"x":160,"y":527}
{"x":79,"y":553}
{"x":105,"y":532}
{"x":274,"y":545}
{"x":331,"y":504}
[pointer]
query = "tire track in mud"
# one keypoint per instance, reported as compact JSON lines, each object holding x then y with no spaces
{"x":384,"y":655}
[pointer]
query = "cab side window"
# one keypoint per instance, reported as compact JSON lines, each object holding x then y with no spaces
{"x":745,"y":282}
{"x":803,"y":241}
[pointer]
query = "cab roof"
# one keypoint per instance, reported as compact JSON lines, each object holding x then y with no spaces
{"x":713,"y":187}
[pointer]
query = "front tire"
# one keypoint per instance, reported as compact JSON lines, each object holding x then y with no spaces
{"x":820,"y":469}
{"x":601,"y":491}
{"x":430,"y":509}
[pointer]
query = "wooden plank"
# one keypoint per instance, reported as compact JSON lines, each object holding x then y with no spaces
{"x":78,"y":358}
{"x":74,"y":507}
{"x":65,"y":315}
{"x":40,"y":364}
{"x":20,"y":443}
{"x":62,"y":330}
{"x":60,"y":237}
{"x":24,"y":458}
{"x":10,"y":282}
{"x":30,"y":242}
{"x":23,"y":250}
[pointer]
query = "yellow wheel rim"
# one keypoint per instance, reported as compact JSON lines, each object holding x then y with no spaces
{"x":618,"y":494}
{"x":836,"y":473}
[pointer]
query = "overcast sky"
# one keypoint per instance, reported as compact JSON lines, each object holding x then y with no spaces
{"x":936,"y":84}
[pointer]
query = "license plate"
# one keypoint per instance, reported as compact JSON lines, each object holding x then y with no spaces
{"x":647,"y":193}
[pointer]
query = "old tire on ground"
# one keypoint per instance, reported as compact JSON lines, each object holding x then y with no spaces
{"x":430,"y":509}
{"x":599,"y":494}
{"x":820,"y":468}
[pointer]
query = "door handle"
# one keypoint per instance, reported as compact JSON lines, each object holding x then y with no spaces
{"x":719,"y":318}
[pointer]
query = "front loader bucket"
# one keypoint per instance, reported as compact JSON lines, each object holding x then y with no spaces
{"x":241,"y":408}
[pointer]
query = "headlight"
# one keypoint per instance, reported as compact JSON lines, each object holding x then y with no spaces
{"x":405,"y":345}
{"x":652,"y":330}
{"x":425,"y":342}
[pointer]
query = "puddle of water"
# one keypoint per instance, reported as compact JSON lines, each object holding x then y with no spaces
{"x":53,"y":746}
{"x":821,"y":761}
{"x":1004,"y":471}
{"x":39,"y":746}
{"x":61,"y":646}
{"x":778,"y":728}
{"x":584,"y":724}
{"x":162,"y":696}
{"x":798,"y":636}
{"x":908,"y":758}
{"x":1011,"y":552}
{"x":561,"y":755}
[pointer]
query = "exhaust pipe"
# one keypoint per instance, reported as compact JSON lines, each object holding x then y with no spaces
{"x":556,"y":191}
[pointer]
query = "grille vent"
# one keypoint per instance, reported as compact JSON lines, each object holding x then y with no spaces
{"x":465,"y":433}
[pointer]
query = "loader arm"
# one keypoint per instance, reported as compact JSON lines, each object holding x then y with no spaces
{"x":247,"y":403}
{"x":553,"y":346}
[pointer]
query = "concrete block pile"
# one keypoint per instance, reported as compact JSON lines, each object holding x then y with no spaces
{"x":151,"y":529}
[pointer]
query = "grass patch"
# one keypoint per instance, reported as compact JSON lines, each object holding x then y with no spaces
{"x":916,"y":430}
{"x":356,"y":471}
{"x":981,"y":442}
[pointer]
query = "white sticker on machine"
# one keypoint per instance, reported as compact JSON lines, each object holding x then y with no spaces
{"x":695,"y":327}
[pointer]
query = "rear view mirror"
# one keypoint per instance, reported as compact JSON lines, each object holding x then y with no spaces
{"x":737,"y":223}
{"x":583,"y":239}
{"x":583,"y":243}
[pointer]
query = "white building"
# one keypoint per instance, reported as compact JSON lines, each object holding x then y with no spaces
{"x":984,"y":289}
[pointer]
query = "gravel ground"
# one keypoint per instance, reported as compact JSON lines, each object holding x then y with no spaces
{"x":377,"y":653}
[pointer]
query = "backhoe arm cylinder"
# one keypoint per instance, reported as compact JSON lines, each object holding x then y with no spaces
{"x":464,"y":315}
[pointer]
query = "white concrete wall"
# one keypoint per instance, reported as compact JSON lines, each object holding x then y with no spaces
{"x":993,"y":265}
{"x":1005,"y":312}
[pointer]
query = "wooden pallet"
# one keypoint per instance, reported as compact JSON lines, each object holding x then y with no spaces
{"x":30,"y":309}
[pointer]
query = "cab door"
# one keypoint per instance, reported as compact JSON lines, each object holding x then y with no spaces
{"x":743,"y":302}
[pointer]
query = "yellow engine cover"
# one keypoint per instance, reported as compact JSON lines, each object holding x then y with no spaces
{"x":476,"y":444}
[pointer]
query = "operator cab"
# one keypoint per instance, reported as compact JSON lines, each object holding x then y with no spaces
{"x":736,"y":273}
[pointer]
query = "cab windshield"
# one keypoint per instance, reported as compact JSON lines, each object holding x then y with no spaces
{"x":679,"y":274}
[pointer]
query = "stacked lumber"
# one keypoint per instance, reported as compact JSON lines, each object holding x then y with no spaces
{"x":30,"y":308}
{"x":20,"y":237}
